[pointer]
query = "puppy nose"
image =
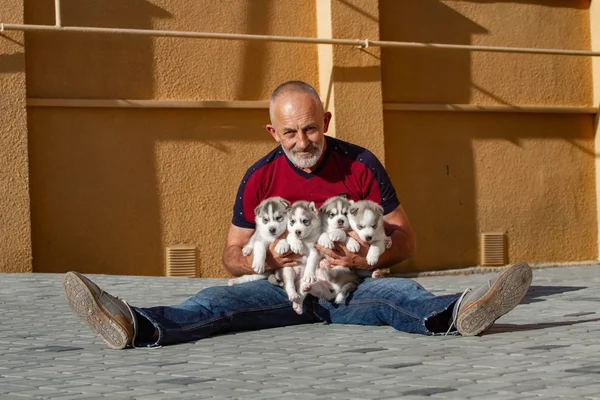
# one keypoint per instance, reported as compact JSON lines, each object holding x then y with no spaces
{"x":340,"y":222}
{"x":298,"y":233}
{"x":368,"y":238}
{"x":272,"y":230}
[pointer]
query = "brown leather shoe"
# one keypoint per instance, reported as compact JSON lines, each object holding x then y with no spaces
{"x":110,"y":317}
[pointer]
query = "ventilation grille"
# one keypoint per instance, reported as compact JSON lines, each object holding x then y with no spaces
{"x":493,"y":247}
{"x":181,"y":260}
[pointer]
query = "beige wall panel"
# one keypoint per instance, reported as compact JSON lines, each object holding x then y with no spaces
{"x":530,"y":176}
{"x":452,"y":76}
{"x":15,"y":226}
{"x":111,"y":66}
{"x":112,"y":188}
{"x":357,"y":76}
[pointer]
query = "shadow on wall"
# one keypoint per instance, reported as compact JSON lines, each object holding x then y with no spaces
{"x":431,"y":156}
{"x":255,"y":53}
{"x":431,"y":76}
{"x":10,"y":63}
{"x":91,"y":65}
{"x":96,"y":205}
{"x":581,"y":4}
{"x":93,"y":186}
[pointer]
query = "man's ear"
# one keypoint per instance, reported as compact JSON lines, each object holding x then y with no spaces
{"x":273,"y":132}
{"x":327,"y":121}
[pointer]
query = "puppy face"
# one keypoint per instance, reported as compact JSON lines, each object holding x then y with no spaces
{"x":271,"y":216}
{"x":334,"y":213}
{"x":365,"y":219}
{"x":303,"y":219}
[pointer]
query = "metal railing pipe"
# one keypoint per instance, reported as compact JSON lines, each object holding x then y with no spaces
{"x":57,"y":18}
{"x":361,"y":43}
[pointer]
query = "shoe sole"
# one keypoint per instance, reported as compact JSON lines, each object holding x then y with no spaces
{"x":87,"y":306}
{"x":506,"y":293}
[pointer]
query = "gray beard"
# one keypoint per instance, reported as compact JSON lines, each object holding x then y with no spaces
{"x":305,"y":162}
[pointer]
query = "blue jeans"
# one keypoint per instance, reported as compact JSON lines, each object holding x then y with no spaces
{"x":401,"y":303}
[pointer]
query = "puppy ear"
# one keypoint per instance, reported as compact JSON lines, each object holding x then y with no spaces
{"x":257,"y":210}
{"x":322,"y":208}
{"x":353,"y":210}
{"x":286,"y":203}
{"x":351,"y":201}
{"x":313,"y":207}
{"x":379,"y":210}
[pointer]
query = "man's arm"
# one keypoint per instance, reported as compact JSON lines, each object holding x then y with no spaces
{"x":237,"y":264}
{"x":404,"y":245}
{"x":233,"y":260}
{"x":404,"y":242}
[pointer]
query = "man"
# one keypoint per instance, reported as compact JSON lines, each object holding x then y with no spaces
{"x":306,"y":166}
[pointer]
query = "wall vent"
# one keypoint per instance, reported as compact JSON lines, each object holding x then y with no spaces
{"x":181,"y":260}
{"x":493,"y":249}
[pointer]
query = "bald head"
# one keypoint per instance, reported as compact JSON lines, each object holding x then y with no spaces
{"x":299,"y":123}
{"x":292,"y":87}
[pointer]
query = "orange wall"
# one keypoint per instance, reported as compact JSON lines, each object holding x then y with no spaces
{"x":109,"y":189}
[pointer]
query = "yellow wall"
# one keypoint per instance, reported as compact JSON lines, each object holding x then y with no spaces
{"x":111,"y":188}
{"x":530,"y":176}
{"x":15,"y":223}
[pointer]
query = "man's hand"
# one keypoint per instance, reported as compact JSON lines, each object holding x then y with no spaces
{"x":275,"y":260}
{"x":340,"y":255}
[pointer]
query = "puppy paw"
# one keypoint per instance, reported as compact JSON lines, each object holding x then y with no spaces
{"x":247,"y":250}
{"x":340,"y":298}
{"x":296,"y":247}
{"x":294,"y":297}
{"x":259,"y":268}
{"x":376,"y":274}
{"x":325,"y":241}
{"x":372,"y":258}
{"x":309,"y":279}
{"x":232,"y":282}
{"x":388,"y":242}
{"x":282,"y":247}
{"x":337,"y":235}
{"x":353,"y":245}
{"x":324,"y":264}
{"x":298,"y":308}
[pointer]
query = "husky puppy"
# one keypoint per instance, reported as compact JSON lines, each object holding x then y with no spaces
{"x":334,"y":221}
{"x":365,"y":217}
{"x":271,"y":222}
{"x":334,"y":217}
{"x":333,"y":283}
{"x":304,"y":229}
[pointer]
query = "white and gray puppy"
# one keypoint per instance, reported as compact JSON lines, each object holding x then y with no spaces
{"x":366,"y":219}
{"x":335,"y":224}
{"x":304,"y":229}
{"x":334,"y":217}
{"x":271,"y":222}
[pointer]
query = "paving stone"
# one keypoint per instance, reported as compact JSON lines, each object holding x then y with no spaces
{"x":546,"y":347}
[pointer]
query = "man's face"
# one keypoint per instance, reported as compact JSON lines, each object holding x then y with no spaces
{"x":299,"y":125}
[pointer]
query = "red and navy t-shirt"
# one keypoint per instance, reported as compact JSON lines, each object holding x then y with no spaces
{"x":347,"y":170}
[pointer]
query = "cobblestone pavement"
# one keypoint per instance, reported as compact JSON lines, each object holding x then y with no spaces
{"x":548,"y":347}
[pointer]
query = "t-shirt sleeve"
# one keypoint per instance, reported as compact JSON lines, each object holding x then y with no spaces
{"x":246,"y":200}
{"x":377,"y":184}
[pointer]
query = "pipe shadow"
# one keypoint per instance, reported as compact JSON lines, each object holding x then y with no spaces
{"x":504,"y":328}
{"x":11,"y":63}
{"x":537,"y":294}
